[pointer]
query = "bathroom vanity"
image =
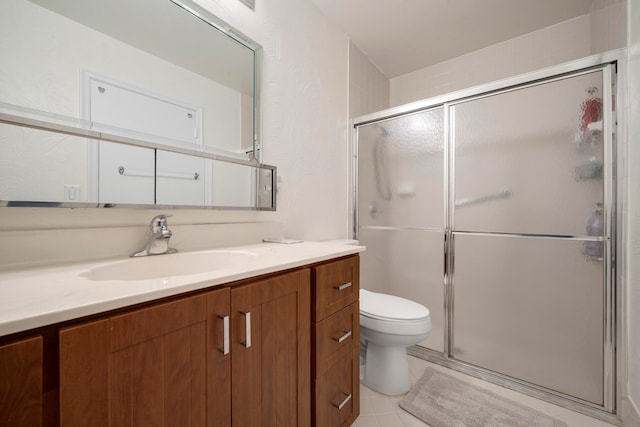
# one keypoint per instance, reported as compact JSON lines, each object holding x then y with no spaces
{"x":272,"y":340}
{"x":336,"y":343}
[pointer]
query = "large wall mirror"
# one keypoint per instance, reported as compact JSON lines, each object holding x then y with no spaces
{"x":128,"y":103}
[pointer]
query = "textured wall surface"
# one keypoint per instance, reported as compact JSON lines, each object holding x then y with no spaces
{"x":304,"y":129}
{"x":368,"y":87}
{"x":633,"y":208}
{"x":305,"y":117}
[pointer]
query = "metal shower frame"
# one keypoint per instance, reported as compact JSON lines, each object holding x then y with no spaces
{"x":612,"y":214}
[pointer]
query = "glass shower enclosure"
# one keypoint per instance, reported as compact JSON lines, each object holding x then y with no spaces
{"x":495,"y":209}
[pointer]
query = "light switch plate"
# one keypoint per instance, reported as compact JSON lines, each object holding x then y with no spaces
{"x":71,"y":192}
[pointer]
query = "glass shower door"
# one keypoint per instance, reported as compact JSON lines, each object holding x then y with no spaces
{"x":401,"y":211}
{"x":529,"y":206}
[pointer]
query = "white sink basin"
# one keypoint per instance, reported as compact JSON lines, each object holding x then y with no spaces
{"x":170,"y":265}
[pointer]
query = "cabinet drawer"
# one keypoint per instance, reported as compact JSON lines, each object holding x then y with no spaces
{"x":335,"y":286}
{"x":337,"y":391}
{"x":340,"y":330}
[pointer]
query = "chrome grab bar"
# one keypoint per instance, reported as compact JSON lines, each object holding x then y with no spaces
{"x":468,"y":201}
{"x":143,"y":173}
{"x":135,"y":172}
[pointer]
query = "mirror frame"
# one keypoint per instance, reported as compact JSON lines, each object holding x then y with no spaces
{"x":35,"y":119}
{"x":209,"y":18}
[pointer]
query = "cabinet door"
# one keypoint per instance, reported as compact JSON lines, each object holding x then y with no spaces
{"x":146,"y":367}
{"x":271,"y":352}
{"x":21,"y":383}
{"x":219,"y":359}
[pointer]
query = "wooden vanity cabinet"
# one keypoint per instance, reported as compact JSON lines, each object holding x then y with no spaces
{"x":270,"y":352}
{"x":336,"y":342}
{"x":168,"y":365}
{"x":154,"y":366}
{"x":21,"y":383}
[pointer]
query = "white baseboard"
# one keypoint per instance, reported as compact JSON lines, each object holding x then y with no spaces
{"x":630,"y":413}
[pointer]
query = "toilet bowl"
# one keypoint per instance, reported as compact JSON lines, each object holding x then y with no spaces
{"x":388,"y":325}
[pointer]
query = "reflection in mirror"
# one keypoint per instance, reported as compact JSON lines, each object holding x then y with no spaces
{"x":42,"y":166}
{"x":140,"y":176}
{"x":127,"y":178}
{"x":185,"y":180}
{"x":57,"y":55}
{"x":228,"y":185}
{"x":154,"y":72}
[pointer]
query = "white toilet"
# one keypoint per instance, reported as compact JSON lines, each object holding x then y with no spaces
{"x":388,"y":325}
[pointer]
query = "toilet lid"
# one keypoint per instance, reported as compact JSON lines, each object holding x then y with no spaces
{"x":383,"y":306}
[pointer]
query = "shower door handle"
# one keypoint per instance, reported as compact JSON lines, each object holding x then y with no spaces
{"x":343,"y":286}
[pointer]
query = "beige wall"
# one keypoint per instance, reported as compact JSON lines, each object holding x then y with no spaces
{"x":368,"y":87}
{"x":631,"y":412}
{"x":604,"y":29}
{"x":305,"y":116}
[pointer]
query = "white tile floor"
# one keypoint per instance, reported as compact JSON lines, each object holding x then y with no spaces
{"x":378,"y":410}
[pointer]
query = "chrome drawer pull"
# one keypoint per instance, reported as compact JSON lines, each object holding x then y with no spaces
{"x":346,"y":335}
{"x":343,"y":286}
{"x":225,"y":346}
{"x":344,"y":402}
{"x":247,"y":329}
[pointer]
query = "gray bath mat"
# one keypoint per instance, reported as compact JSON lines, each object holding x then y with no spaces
{"x":441,"y":400}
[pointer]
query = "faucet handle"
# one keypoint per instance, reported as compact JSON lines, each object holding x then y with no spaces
{"x":160,"y":235}
{"x":160,"y":221}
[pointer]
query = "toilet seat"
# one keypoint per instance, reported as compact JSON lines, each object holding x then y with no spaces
{"x":393,"y":315}
{"x":390,"y":308}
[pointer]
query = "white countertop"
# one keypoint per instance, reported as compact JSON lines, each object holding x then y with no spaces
{"x":44,"y":296}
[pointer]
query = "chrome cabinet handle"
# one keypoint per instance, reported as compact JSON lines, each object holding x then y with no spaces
{"x":343,"y":286}
{"x":346,"y":335}
{"x":344,"y":402}
{"x":247,"y":329}
{"x":225,"y":333}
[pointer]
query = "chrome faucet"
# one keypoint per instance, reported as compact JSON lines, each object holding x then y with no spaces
{"x":158,"y":242}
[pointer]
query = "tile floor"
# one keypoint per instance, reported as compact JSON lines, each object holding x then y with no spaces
{"x":378,"y":410}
